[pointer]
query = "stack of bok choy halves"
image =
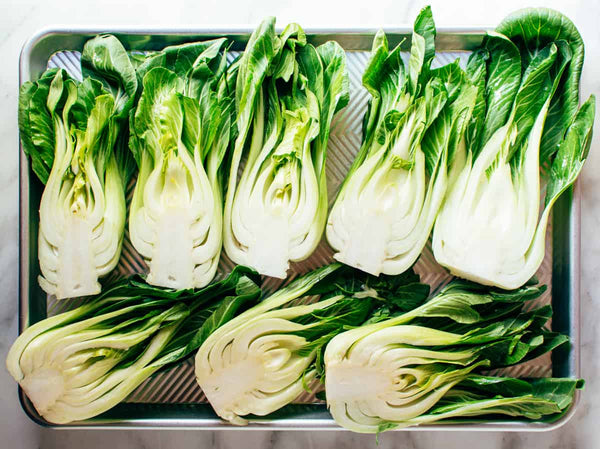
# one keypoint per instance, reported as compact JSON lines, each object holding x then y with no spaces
{"x":231,"y":153}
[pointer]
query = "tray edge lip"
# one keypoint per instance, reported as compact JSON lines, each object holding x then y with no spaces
{"x":52,"y":29}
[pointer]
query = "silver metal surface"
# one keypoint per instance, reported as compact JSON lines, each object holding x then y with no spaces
{"x":172,"y":399}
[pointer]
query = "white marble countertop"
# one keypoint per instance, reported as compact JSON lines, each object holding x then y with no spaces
{"x":19,"y":19}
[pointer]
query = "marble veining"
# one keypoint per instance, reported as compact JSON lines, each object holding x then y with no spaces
{"x":19,"y":19}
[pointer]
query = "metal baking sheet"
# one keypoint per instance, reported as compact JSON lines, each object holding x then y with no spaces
{"x":172,"y":399}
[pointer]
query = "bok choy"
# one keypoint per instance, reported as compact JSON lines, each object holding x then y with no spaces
{"x":78,"y":364}
{"x":287,"y":92}
{"x":179,"y":136}
{"x":264,"y":358}
{"x":422,"y":366}
{"x":489,"y":228}
{"x":386,"y":207}
{"x":73,"y":132}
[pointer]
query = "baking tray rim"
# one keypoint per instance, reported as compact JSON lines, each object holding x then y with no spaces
{"x":574,"y":220}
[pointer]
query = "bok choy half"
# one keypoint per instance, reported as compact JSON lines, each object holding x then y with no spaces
{"x":387,"y":205}
{"x":287,"y":92}
{"x":489,"y":228}
{"x":78,"y":364}
{"x":75,"y":135}
{"x":180,"y":133}
{"x":268,"y":355}
{"x":424,"y":366}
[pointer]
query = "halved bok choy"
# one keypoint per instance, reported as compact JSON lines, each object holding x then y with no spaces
{"x":425,"y":365}
{"x":75,"y":134}
{"x":78,"y":364}
{"x":287,"y":92}
{"x":180,"y":134}
{"x":388,"y":203}
{"x":489,"y":228}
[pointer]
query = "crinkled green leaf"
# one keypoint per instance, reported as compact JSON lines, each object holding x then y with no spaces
{"x":35,"y":124}
{"x":572,"y":152}
{"x":533,"y":29}
{"x":105,"y":59}
{"x":502,"y":84}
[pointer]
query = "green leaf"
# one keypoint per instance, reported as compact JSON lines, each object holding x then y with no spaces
{"x":104,"y":59}
{"x":551,"y":341}
{"x":422,"y":49}
{"x":466,"y":303}
{"x":434,"y":100}
{"x":503,"y":79}
{"x":534,"y":90}
{"x":159,"y":94}
{"x":324,"y":324}
{"x":192,"y":123}
{"x":334,"y":95}
{"x":572,"y":152}
{"x":560,"y":391}
{"x":442,"y":138}
{"x":402,"y":292}
{"x":526,"y":406}
{"x":476,"y":72}
{"x":532,"y":29}
{"x":284,"y":64}
{"x":35,"y":123}
{"x":492,"y":386}
{"x":415,"y":63}
{"x":189,"y":60}
{"x":99,"y":137}
{"x":452,"y":78}
{"x":532,"y":321}
{"x":197,"y":329}
{"x":253,"y":67}
{"x":384,"y":79}
{"x":379,"y":53}
{"x":87,"y":93}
